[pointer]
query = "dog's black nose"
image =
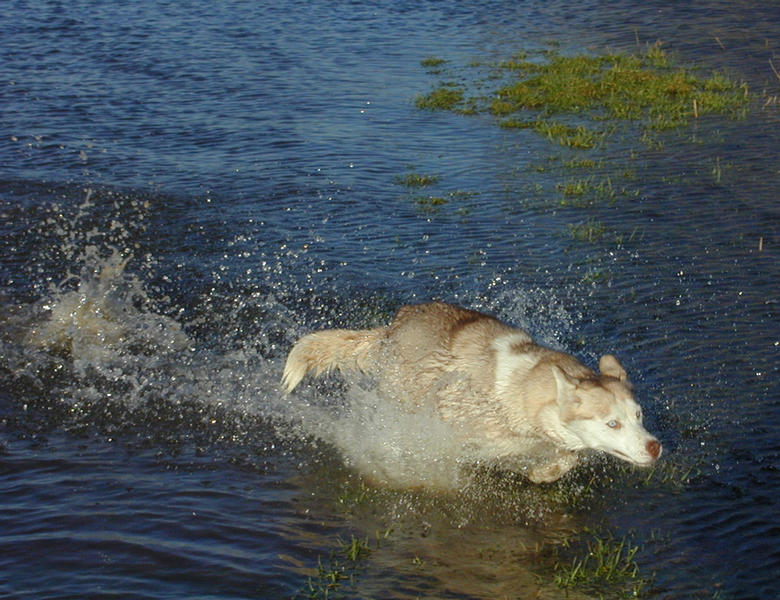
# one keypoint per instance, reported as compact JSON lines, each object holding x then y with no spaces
{"x":653,"y":449}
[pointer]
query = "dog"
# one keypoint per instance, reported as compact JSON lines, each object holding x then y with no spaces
{"x":520,"y":405}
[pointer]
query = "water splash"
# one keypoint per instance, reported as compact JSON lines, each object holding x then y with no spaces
{"x":101,"y":319}
{"x":382,"y":441}
{"x":103,"y":332}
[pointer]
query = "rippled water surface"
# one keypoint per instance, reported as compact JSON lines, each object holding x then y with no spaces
{"x":186,"y":188}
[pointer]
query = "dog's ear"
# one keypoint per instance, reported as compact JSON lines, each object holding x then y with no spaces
{"x":609,"y":366}
{"x":566,"y":385}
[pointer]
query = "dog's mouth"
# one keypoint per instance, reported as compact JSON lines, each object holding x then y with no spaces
{"x":639,"y":462}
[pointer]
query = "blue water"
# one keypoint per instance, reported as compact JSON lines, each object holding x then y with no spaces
{"x":186,"y":188}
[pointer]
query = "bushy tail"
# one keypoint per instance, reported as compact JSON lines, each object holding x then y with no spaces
{"x":323,"y":351}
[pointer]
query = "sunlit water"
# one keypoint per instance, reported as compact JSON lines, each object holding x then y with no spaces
{"x":185,"y":190}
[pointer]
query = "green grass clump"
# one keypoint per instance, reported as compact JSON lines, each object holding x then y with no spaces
{"x":355,"y":549}
{"x":566,"y":135}
{"x":590,"y":191}
{"x":590,"y":231}
{"x":345,"y":561}
{"x":444,"y":98}
{"x":671,"y":475}
{"x":618,"y":86}
{"x":582,"y":103}
{"x":575,"y":187}
{"x":430,"y":204}
{"x":604,"y":562}
{"x":416,"y":180}
{"x":581,"y":163}
{"x":432,"y":61}
{"x":646,"y":87}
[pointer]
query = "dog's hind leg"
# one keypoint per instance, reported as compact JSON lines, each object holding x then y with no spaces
{"x":323,"y":351}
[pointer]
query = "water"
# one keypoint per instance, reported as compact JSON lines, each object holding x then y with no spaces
{"x":186,"y":189}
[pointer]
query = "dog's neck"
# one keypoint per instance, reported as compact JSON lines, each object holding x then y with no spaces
{"x":551,"y":425}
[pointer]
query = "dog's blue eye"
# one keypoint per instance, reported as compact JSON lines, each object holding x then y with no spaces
{"x":613,"y":424}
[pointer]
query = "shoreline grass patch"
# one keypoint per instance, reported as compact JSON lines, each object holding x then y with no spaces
{"x":599,"y":563}
{"x":648,"y":88}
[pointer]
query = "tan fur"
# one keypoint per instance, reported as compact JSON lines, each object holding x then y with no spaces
{"x":523,"y":405}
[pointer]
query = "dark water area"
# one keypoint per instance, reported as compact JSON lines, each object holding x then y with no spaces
{"x":187,"y":188}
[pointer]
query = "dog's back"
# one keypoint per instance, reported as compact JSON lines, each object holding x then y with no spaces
{"x":422,"y":342}
{"x":428,"y":340}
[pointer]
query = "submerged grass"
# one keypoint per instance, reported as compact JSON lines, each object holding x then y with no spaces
{"x":589,"y":231}
{"x":579,"y":102}
{"x":592,"y":191}
{"x":585,"y":563}
{"x":346,"y":560}
{"x":430,"y":204}
{"x":585,"y":103}
{"x":416,"y":179}
{"x":432,"y":61}
{"x":565,"y":135}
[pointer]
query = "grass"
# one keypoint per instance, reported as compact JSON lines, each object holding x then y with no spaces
{"x":591,"y":191}
{"x":355,"y":495}
{"x":584,"y":103}
{"x":589,"y":231}
{"x":647,"y":87}
{"x":355,"y":549}
{"x":581,"y":163}
{"x":590,"y":562}
{"x":596,"y":277}
{"x":576,"y":187}
{"x":602,"y":562}
{"x":619,"y":86}
{"x":430,"y":204}
{"x":443,"y":98}
{"x":416,"y":180}
{"x":432,"y":61}
{"x":343,"y":565}
{"x":565,"y":135}
{"x":669,"y":474}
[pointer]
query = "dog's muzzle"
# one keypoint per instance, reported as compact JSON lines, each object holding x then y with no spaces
{"x":653,"y":448}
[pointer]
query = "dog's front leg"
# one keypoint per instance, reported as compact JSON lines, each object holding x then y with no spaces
{"x":547,"y":473}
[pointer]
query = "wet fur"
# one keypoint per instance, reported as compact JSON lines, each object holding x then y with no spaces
{"x":520,"y":404}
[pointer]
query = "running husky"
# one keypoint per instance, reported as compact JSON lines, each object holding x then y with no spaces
{"x":521,"y":405}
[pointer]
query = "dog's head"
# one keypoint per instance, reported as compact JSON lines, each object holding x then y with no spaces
{"x":602,"y":414}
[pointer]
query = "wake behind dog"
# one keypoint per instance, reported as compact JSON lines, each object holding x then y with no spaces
{"x":519,"y":405}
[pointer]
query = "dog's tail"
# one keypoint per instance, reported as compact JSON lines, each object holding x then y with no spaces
{"x":323,"y":351}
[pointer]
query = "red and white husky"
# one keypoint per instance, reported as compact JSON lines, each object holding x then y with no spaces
{"x":521,"y":405}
